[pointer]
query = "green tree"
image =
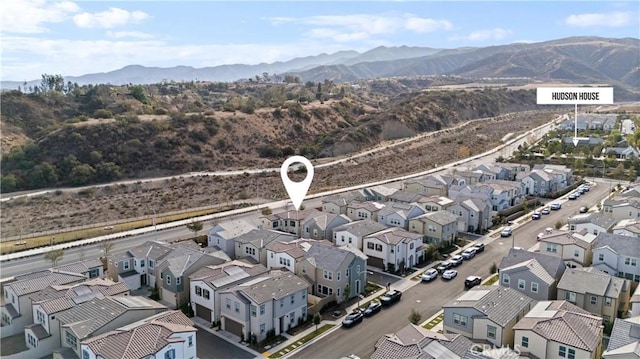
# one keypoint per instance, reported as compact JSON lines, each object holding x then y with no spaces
{"x":415,"y":317}
{"x":43,"y":175}
{"x":108,"y":171}
{"x":317,"y":319}
{"x":579,"y":163}
{"x":54,"y":256}
{"x":494,"y":268}
{"x":139,"y":94}
{"x":81,"y":174}
{"x":346,"y":292}
{"x":8,"y":183}
{"x":195,"y":227}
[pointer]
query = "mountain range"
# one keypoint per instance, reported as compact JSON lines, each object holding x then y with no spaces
{"x":576,"y":59}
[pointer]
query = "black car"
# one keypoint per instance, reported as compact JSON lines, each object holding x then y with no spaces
{"x":352,"y":319}
{"x":444,"y":266}
{"x":390,"y":297}
{"x":472,"y":281}
{"x":373,"y":308}
{"x":479,"y":247}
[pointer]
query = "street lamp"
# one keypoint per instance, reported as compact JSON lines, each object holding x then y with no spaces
{"x":155,"y":227}
{"x":53,"y":239}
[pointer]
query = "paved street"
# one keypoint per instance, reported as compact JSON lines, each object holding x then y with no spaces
{"x":429,"y":298}
{"x":210,"y":346}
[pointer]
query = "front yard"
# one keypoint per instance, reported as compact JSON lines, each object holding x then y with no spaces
{"x":300,"y":342}
{"x":433,"y":322}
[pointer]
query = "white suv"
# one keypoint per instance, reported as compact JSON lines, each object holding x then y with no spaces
{"x":506,"y":232}
{"x":469,"y":253}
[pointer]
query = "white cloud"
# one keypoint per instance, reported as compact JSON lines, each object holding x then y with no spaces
{"x":426,"y":25}
{"x":485,"y":35}
{"x":611,"y":19}
{"x":110,"y":18}
{"x":129,"y":34}
{"x":31,"y":16}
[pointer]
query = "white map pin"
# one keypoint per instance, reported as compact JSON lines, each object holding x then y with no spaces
{"x":296,"y":190}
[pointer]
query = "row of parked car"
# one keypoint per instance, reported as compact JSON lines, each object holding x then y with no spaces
{"x":445,"y":268}
{"x":375,"y":306}
{"x":579,"y":192}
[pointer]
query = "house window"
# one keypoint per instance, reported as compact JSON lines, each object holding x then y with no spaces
{"x":607,"y":301}
{"x":379,"y":247}
{"x":461,"y":320}
{"x":534,"y":287}
{"x":633,"y":262}
{"x":281,"y":303}
{"x":369,"y":245}
{"x":570,"y":297}
{"x":391,"y":248}
{"x":40,"y":316}
{"x":168,"y":279}
{"x":262,"y":328}
{"x":627,"y":261}
{"x":125,"y":265}
{"x":254,"y":310}
{"x":178,"y":280}
{"x":205,"y":293}
{"x":338,"y":275}
{"x":31,"y":340}
{"x":491,"y":332}
{"x":505,"y":278}
{"x":327,"y":275}
{"x":190,"y":340}
{"x":410,"y":245}
{"x":576,"y":253}
{"x":262,"y":309}
{"x":600,"y":257}
{"x":593,"y":300}
{"x":562,"y":351}
{"x":571,"y":353}
{"x":70,"y":339}
{"x":525,"y":342}
{"x":606,"y":318}
{"x":228,"y":303}
{"x":85,"y":354}
{"x":170,"y":354}
{"x":304,"y":268}
{"x":292,"y":318}
{"x":142,"y":263}
{"x":552,"y":247}
{"x":271,"y":254}
{"x":304,"y":295}
{"x":346,"y":272}
{"x":237,"y":307}
{"x":150,"y":263}
{"x":94,"y":273}
{"x":293,"y":298}
{"x":198,"y":291}
{"x":303,"y":312}
{"x":521,"y":283}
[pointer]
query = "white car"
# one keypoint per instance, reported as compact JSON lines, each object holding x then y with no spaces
{"x":429,"y":275}
{"x":469,"y":253}
{"x":449,"y":274}
{"x":540,"y":235}
{"x":506,"y":232}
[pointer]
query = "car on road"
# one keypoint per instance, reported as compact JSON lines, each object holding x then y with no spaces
{"x":555,"y":206}
{"x":585,"y":187}
{"x":548,"y":230}
{"x":573,"y":196}
{"x":506,"y":232}
{"x":584,"y":209}
{"x":540,"y":235}
{"x":449,"y":274}
{"x":390,"y":297}
{"x":545,"y":211}
{"x":444,"y":266}
{"x":457,"y":260}
{"x":479,"y":247}
{"x":429,"y":275}
{"x":536,"y":215}
{"x":468,"y":253}
{"x":472,"y":281}
{"x":373,"y":308}
{"x":352,"y":319}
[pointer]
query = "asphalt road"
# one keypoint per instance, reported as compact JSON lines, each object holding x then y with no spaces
{"x":428,"y":298}
{"x":209,"y":346}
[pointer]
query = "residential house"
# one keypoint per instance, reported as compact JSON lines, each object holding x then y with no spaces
{"x":621,"y":208}
{"x":595,"y":291}
{"x":486,"y":314}
{"x":413,"y":341}
{"x":624,"y":341}
{"x":289,"y":221}
{"x":583,"y":141}
{"x":321,"y":226}
{"x":591,"y":121}
{"x":498,"y":171}
{"x":222,"y":235}
{"x":398,"y":214}
{"x":48,"y":303}
{"x":473,"y":177}
{"x":337,"y":204}
{"x":505,"y":194}
{"x":379,"y":193}
{"x":544,"y":180}
{"x":617,"y":255}
{"x":575,"y":248}
{"x":628,"y":227}
{"x":90,"y":268}
{"x":563,"y":173}
{"x":408,"y":197}
{"x":363,"y":210}
{"x":480,"y":191}
{"x":513,"y":170}
{"x":137,"y":266}
{"x":273,"y":303}
{"x":621,"y":151}
{"x":627,"y":127}
{"x":164,"y":335}
{"x":432,"y":185}
{"x":101,"y":315}
{"x":436,"y":227}
{"x":595,"y":223}
{"x":559,"y":329}
{"x":17,"y":312}
{"x":473,"y":214}
{"x":635,"y":302}
{"x":175,"y":269}
{"x":338,"y":271}
{"x":281,"y":254}
{"x":207,"y":282}
{"x":436,"y":203}
{"x":254,"y":244}
{"x":393,"y":248}
{"x":533,"y":274}
{"x":353,"y":233}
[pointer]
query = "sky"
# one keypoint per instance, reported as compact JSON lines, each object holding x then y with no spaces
{"x":73,"y":38}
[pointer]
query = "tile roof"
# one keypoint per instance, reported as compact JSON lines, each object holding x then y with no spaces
{"x":361,"y":228}
{"x":260,"y":238}
{"x":38,"y":331}
{"x":553,"y":265}
{"x":565,"y":323}
{"x":593,"y":281}
{"x":414,"y":341}
{"x":624,"y":338}
{"x":57,"y":305}
{"x":181,"y":259}
{"x":228,"y":273}
{"x":440,"y":217}
{"x":11,"y":310}
{"x":396,"y":235}
{"x":627,"y":245}
{"x":597,"y":219}
{"x":324,"y":219}
{"x":43,"y":279}
{"x":532,"y":266}
{"x":499,"y":304}
{"x":79,"y":267}
{"x":295,"y":249}
{"x":140,"y":339}
{"x":276,"y":285}
{"x":54,"y":299}
{"x":568,"y":238}
{"x":368,"y":206}
{"x":404,"y":196}
{"x":232,"y":229}
{"x":88,"y":317}
{"x":328,"y":257}
{"x":298,"y":215}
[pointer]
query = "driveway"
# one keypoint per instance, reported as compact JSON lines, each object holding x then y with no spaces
{"x":12,"y":345}
{"x":210,"y":346}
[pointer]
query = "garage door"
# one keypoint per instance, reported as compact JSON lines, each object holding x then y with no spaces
{"x":233,"y":327}
{"x":203,"y":312}
{"x":376,"y":262}
{"x":169,"y":297}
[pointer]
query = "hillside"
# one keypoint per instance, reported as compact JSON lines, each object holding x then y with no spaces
{"x":94,"y":134}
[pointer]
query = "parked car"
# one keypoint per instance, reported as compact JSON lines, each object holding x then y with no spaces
{"x":573,"y":196}
{"x":457,"y":260}
{"x":469,"y":253}
{"x":555,"y":206}
{"x":536,"y":215}
{"x":373,"y":308}
{"x":444,"y":266}
{"x":545,"y":211}
{"x":479,"y":247}
{"x":540,"y":235}
{"x":548,"y":230}
{"x":352,"y":319}
{"x":584,"y":209}
{"x":429,"y":275}
{"x":472,"y":281}
{"x":390,"y":297}
{"x":449,"y":274}
{"x":506,"y":232}
{"x":585,"y":187}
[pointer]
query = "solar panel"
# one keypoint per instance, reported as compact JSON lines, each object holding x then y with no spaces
{"x":473,"y":295}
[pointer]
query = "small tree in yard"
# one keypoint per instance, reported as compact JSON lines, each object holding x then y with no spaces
{"x":346,"y":292}
{"x":415,"y":317}
{"x":107,"y":246}
{"x":195,"y":227}
{"x":317,"y":318}
{"x":559,"y":224}
{"x":54,"y":256}
{"x":494,"y":268}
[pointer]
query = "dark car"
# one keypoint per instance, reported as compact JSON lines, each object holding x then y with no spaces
{"x":472,"y":281}
{"x":373,"y":308}
{"x":352,"y":319}
{"x":444,"y":266}
{"x":390,"y":297}
{"x":479,"y":247}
